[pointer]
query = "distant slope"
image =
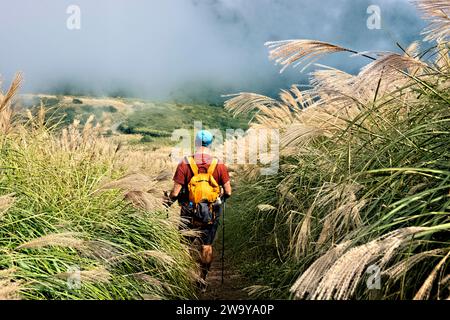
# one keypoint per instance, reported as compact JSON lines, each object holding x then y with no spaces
{"x":145,"y":121}
{"x":159,"y":120}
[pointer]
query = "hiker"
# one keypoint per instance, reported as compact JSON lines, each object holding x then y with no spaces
{"x":201,"y":184}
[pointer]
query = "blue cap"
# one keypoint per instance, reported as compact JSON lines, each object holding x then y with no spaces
{"x":203,"y":138}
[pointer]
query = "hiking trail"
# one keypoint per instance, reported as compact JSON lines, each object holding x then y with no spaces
{"x":234,"y":283}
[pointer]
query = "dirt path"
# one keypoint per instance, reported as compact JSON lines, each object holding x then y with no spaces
{"x":234,"y":283}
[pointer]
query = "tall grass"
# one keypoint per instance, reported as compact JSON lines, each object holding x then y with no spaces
{"x":68,"y":226}
{"x":364,"y":179}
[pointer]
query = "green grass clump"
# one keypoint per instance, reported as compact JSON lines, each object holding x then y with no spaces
{"x":61,"y":225}
{"x":403,"y":176}
{"x":364,"y":180}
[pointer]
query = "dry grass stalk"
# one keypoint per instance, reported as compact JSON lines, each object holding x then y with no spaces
{"x":190,"y":233}
{"x":152,"y":281}
{"x":444,"y":283}
{"x":97,"y":275}
{"x":399,"y":269}
{"x":413,"y":50}
{"x":270,"y":112}
{"x":343,"y":276}
{"x":101,"y":250}
{"x":300,"y":240}
{"x":159,"y":256}
{"x":256,"y":290}
{"x":6,"y":273}
{"x":266,"y":207}
{"x":445,"y":280}
{"x":5,"y":99}
{"x":6,"y":102}
{"x":342,"y":95}
{"x":9,"y":290}
{"x":151,"y":297}
{"x":337,"y":97}
{"x":245,"y":102}
{"x":300,"y":134}
{"x":65,"y":239}
{"x":425,"y":289}
{"x":145,"y":200}
{"x":6,"y":202}
{"x":333,"y":85}
{"x":389,"y":67}
{"x":344,"y":217}
{"x":298,"y":115}
{"x":287,"y":52}
{"x":138,"y":159}
{"x":442,"y":60}
{"x":148,"y":279}
{"x":142,"y":191}
{"x":309,"y":280}
{"x":438,"y":13}
{"x":132,"y":182}
{"x":344,"y":209}
{"x":82,"y":143}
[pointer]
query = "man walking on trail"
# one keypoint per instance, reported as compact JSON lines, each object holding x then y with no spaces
{"x":201,"y":184}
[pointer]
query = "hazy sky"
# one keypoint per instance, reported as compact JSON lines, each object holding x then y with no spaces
{"x":184,"y":48}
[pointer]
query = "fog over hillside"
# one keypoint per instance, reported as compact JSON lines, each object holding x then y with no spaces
{"x":184,"y":49}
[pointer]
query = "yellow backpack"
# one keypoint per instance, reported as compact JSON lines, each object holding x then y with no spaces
{"x":203,"y":187}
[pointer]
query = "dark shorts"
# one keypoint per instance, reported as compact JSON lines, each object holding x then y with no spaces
{"x":207,"y":231}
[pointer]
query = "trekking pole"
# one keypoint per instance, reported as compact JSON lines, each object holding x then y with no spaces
{"x":223,"y":238}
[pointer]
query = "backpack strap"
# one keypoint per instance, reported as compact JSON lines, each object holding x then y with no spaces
{"x":212,"y":166}
{"x":193,"y":165}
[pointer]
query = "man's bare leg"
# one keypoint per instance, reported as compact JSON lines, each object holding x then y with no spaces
{"x":206,"y":256}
